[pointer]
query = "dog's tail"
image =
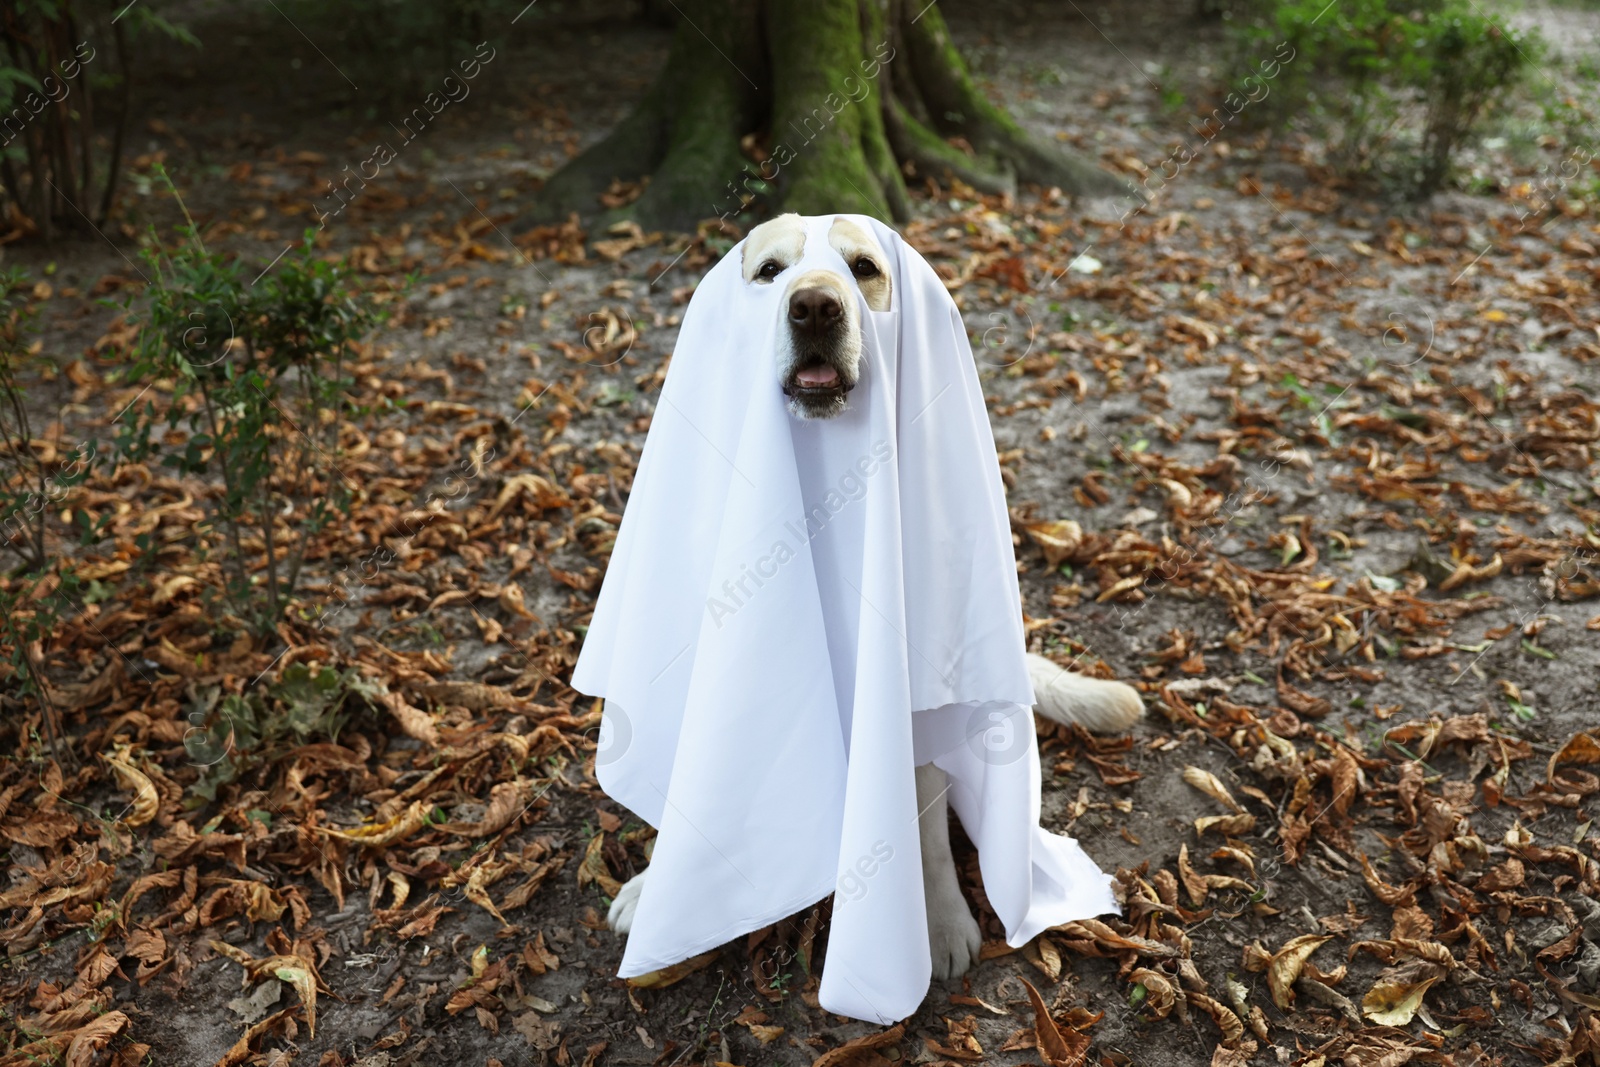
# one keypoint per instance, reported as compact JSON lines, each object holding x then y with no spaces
{"x":1101,"y":706}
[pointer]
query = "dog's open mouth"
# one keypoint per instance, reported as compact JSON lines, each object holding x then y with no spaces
{"x":817,"y":381}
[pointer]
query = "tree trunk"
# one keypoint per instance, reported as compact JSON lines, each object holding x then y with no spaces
{"x":837,"y":102}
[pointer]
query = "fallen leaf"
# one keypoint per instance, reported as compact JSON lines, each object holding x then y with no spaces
{"x":674,"y":974}
{"x":1160,"y":994}
{"x":386,"y":833}
{"x":1286,"y":965}
{"x":863,"y":1051}
{"x":1055,"y":1048}
{"x":146,"y":801}
{"x":1580,"y":748}
{"x":1058,"y":540}
{"x":1211,"y":786}
{"x":1395,"y":1003}
{"x":93,"y":1037}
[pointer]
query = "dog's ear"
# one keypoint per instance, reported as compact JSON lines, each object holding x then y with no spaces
{"x":772,"y":248}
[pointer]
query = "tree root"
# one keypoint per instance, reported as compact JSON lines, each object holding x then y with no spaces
{"x":850,"y":95}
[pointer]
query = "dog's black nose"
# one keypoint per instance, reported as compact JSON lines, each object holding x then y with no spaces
{"x":814,"y":310}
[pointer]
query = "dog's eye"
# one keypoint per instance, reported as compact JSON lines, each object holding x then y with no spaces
{"x":769,"y":270}
{"x":864,"y":268}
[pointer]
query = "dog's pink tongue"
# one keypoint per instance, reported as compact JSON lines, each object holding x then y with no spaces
{"x":818,"y":376}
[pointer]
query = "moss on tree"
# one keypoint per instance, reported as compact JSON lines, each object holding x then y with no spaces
{"x":848,"y":97}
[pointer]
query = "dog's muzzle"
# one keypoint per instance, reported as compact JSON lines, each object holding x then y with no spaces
{"x":821,"y":374}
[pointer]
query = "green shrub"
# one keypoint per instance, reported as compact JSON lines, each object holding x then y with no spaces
{"x":1474,"y":62}
{"x":1403,"y":85}
{"x":254,"y":374}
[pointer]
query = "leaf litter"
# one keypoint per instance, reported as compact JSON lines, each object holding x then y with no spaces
{"x":408,"y":789}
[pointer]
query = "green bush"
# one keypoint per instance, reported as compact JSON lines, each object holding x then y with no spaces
{"x":1404,"y":85}
{"x":254,"y":374}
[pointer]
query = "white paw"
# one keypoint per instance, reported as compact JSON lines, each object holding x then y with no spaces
{"x":953,"y":934}
{"x":620,"y":917}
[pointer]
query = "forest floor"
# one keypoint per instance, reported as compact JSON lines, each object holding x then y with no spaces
{"x":1315,"y":469}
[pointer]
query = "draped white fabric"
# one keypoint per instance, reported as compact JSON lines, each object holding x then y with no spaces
{"x":797,"y":613}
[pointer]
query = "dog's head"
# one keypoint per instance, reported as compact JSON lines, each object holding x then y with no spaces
{"x":819,"y":354}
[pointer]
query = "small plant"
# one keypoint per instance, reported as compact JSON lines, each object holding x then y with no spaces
{"x":1404,"y":85}
{"x":253,"y":374}
{"x":301,"y":707}
{"x":1473,"y":61}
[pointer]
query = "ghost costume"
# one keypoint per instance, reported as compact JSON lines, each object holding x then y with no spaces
{"x":796,"y":614}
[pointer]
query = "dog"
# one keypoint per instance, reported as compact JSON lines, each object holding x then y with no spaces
{"x":817,"y":364}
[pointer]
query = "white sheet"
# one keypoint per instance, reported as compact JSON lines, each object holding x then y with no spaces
{"x":772,"y":680}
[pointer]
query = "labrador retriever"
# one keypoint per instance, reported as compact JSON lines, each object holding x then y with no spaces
{"x":817,"y":366}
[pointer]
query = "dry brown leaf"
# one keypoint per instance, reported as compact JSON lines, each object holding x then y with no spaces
{"x":1057,"y":1049}
{"x":146,"y":801}
{"x":288,"y":969}
{"x":294,"y":972}
{"x":1286,"y":965}
{"x":505,"y":804}
{"x":478,"y":893}
{"x":414,"y":722}
{"x":474,"y":696}
{"x":386,"y":833}
{"x":593,"y":868}
{"x":1228,"y":1022}
{"x":1193,"y":880}
{"x":1211,"y":786}
{"x":1346,"y":779}
{"x":89,"y":1040}
{"x":511,"y":600}
{"x":1227,"y":825}
{"x":1043,"y":954}
{"x":674,"y":974}
{"x":1580,"y":748}
{"x":1058,"y":540}
{"x":1392,"y":1003}
{"x":241,"y":1052}
{"x":541,"y":491}
{"x":1117,"y":588}
{"x":1161,"y":996}
{"x":96,"y":691}
{"x":863,"y":1051}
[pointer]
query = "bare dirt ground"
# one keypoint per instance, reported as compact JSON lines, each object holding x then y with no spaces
{"x":1315,"y":469}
